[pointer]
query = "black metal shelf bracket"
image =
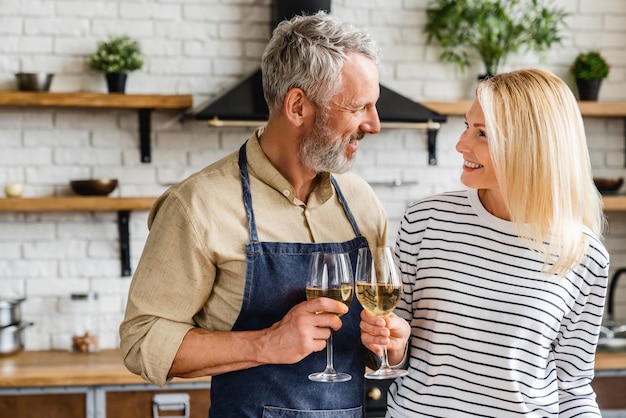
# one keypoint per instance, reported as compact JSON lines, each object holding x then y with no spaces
{"x":432,"y":146}
{"x":123,"y":217}
{"x":144,"y":134}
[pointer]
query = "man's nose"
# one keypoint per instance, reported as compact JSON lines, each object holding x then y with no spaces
{"x":371,"y":125}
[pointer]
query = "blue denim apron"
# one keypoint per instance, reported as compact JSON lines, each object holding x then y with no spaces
{"x":275,"y":281}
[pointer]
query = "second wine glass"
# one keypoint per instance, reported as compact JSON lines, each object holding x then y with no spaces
{"x":330,"y":276}
{"x":378,"y":288}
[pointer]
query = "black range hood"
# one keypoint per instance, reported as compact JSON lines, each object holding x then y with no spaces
{"x":244,"y":104}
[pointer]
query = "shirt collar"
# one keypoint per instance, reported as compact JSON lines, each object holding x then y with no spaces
{"x":263,"y":169}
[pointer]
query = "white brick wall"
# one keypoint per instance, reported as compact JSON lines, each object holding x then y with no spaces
{"x":199,"y":47}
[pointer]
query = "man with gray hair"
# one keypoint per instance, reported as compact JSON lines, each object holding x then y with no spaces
{"x":220,"y":287}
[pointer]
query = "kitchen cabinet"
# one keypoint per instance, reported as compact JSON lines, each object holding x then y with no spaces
{"x":610,"y":389}
{"x":44,"y":405}
{"x":145,"y":403}
{"x":97,"y":385}
{"x":51,"y":384}
{"x":143,"y":103}
{"x":106,"y":401}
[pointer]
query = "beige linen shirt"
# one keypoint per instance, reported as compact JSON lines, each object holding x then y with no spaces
{"x":193,"y":267}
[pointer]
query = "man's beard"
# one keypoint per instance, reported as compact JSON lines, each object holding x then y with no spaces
{"x":321,"y":151}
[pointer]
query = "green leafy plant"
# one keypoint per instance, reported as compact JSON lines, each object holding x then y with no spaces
{"x":120,"y":54}
{"x":490,"y":30}
{"x":590,"y":66}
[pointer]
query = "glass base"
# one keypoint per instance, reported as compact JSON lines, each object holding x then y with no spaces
{"x":382,"y":374}
{"x":329,"y":376}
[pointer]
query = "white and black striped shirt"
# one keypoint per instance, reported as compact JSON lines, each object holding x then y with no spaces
{"x":491,"y":336}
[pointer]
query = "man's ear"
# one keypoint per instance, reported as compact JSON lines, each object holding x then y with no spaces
{"x":297,"y":107}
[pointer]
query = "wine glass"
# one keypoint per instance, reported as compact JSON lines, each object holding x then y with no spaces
{"x":330,"y":276}
{"x":378,"y":288}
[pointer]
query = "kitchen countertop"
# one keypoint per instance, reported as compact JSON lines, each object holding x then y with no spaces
{"x":60,"y":368}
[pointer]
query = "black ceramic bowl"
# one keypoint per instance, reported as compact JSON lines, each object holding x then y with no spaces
{"x":93,"y":187}
{"x":608,"y":185}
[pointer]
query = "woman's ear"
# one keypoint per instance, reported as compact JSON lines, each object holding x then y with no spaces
{"x":297,"y":107}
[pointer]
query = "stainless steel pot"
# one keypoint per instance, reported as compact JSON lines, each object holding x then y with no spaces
{"x":33,"y":81}
{"x":11,"y":339}
{"x":10,"y":311}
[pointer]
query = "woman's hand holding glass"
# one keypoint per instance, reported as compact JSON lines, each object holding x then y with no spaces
{"x":378,"y":287}
{"x":391,"y":332}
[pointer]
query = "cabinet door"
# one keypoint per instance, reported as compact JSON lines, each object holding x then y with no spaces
{"x":610,"y":392}
{"x":71,"y":405}
{"x":138,"y":404}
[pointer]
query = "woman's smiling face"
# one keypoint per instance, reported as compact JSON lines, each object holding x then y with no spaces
{"x":478,"y":169}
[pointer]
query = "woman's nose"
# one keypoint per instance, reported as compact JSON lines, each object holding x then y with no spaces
{"x":461,"y":144}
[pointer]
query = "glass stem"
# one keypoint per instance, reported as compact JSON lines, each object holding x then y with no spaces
{"x":385,"y":360}
{"x":330,"y":367}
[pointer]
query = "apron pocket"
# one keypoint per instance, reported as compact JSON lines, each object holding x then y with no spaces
{"x":275,"y":412}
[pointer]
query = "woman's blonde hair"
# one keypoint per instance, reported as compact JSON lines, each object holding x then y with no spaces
{"x":538,"y":146}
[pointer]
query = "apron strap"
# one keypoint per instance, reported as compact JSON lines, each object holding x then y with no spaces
{"x":346,"y":208}
{"x":247,"y":195}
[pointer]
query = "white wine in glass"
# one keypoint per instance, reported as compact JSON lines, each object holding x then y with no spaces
{"x":378,"y":287}
{"x":330,"y":276}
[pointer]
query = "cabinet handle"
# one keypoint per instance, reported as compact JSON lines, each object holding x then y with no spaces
{"x":170,"y":402}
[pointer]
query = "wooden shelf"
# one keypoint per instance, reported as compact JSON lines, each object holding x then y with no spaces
{"x":122,"y":205}
{"x":614,"y":203}
{"x":97,"y":100}
{"x":143,"y":103}
{"x":75,"y":203}
{"x":589,"y":109}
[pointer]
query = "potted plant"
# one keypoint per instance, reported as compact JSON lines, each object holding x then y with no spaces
{"x":490,"y":30}
{"x":588,"y":70}
{"x":116,"y":57}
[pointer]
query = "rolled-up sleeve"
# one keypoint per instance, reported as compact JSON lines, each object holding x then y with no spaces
{"x":170,"y":285}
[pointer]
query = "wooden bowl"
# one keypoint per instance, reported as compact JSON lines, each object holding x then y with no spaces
{"x":93,"y":187}
{"x":608,"y":184}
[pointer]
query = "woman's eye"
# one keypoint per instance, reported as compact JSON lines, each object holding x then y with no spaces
{"x":482,"y":133}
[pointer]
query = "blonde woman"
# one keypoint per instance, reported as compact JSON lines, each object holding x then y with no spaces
{"x":504,"y":283}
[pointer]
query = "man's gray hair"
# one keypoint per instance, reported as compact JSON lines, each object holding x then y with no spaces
{"x":308,"y":52}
